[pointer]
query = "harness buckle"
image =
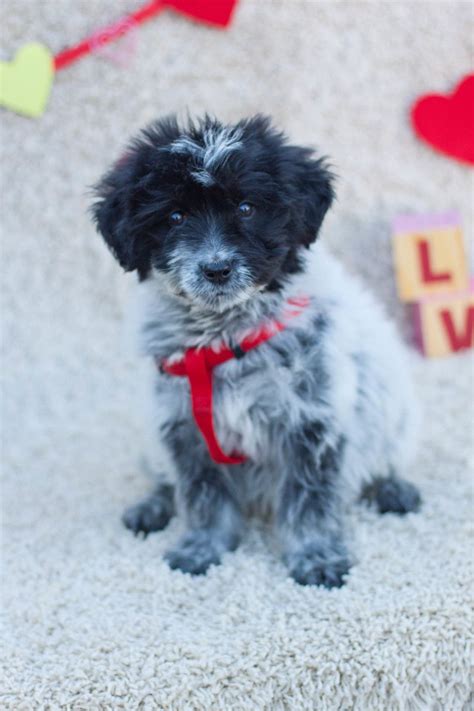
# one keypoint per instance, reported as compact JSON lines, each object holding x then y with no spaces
{"x":238,"y":351}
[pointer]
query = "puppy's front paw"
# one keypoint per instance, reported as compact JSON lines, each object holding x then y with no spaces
{"x":151,"y":514}
{"x":194,"y":554}
{"x":316,"y":564}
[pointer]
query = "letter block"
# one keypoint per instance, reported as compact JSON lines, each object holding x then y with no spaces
{"x":429,"y":255}
{"x":444,"y":324}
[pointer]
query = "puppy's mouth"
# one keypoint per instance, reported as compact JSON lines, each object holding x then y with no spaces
{"x":211,"y":293}
{"x":220,"y":298}
{"x":191,"y":288}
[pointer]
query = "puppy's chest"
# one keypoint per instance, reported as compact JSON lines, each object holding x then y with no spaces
{"x":249,"y":400}
{"x":252,"y":397}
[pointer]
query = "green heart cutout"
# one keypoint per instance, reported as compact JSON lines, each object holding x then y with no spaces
{"x":25,"y":82}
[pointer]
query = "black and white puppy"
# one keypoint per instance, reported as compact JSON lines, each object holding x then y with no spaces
{"x":217,"y":220}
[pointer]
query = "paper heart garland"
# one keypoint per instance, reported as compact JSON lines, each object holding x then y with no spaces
{"x":447,"y":122}
{"x":25,"y":82}
{"x":123,"y":50}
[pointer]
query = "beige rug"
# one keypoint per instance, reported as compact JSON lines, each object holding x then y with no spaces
{"x":94,"y":618}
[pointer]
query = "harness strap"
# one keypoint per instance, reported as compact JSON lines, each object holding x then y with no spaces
{"x":198,"y":364}
{"x":200,"y":379}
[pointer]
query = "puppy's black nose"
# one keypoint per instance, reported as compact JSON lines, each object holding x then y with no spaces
{"x":217,"y":272}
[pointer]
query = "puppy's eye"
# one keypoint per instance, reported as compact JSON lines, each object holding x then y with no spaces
{"x":176,"y":218}
{"x":246,"y":209}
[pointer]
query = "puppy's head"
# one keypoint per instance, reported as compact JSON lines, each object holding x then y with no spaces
{"x":216,"y":212}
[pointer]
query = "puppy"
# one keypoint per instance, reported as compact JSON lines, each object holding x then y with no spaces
{"x":280,"y":385}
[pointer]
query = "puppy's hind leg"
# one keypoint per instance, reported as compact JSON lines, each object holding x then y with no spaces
{"x":152,"y":513}
{"x":392,"y":494}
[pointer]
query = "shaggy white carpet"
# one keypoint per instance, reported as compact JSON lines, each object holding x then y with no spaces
{"x":93,"y":618}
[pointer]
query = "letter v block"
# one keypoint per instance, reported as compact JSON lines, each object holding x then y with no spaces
{"x":429,"y":255}
{"x":444,"y":324}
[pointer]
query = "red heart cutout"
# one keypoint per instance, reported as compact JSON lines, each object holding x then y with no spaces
{"x":216,"y":12}
{"x":447,"y":122}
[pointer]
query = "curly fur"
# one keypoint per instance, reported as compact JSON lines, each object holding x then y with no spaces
{"x":324,"y":410}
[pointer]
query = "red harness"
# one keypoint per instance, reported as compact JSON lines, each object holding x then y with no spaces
{"x":198,"y":364}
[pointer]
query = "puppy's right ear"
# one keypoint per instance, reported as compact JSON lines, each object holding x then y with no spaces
{"x":113,"y":212}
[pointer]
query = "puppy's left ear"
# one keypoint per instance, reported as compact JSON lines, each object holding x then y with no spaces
{"x":313,"y":194}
